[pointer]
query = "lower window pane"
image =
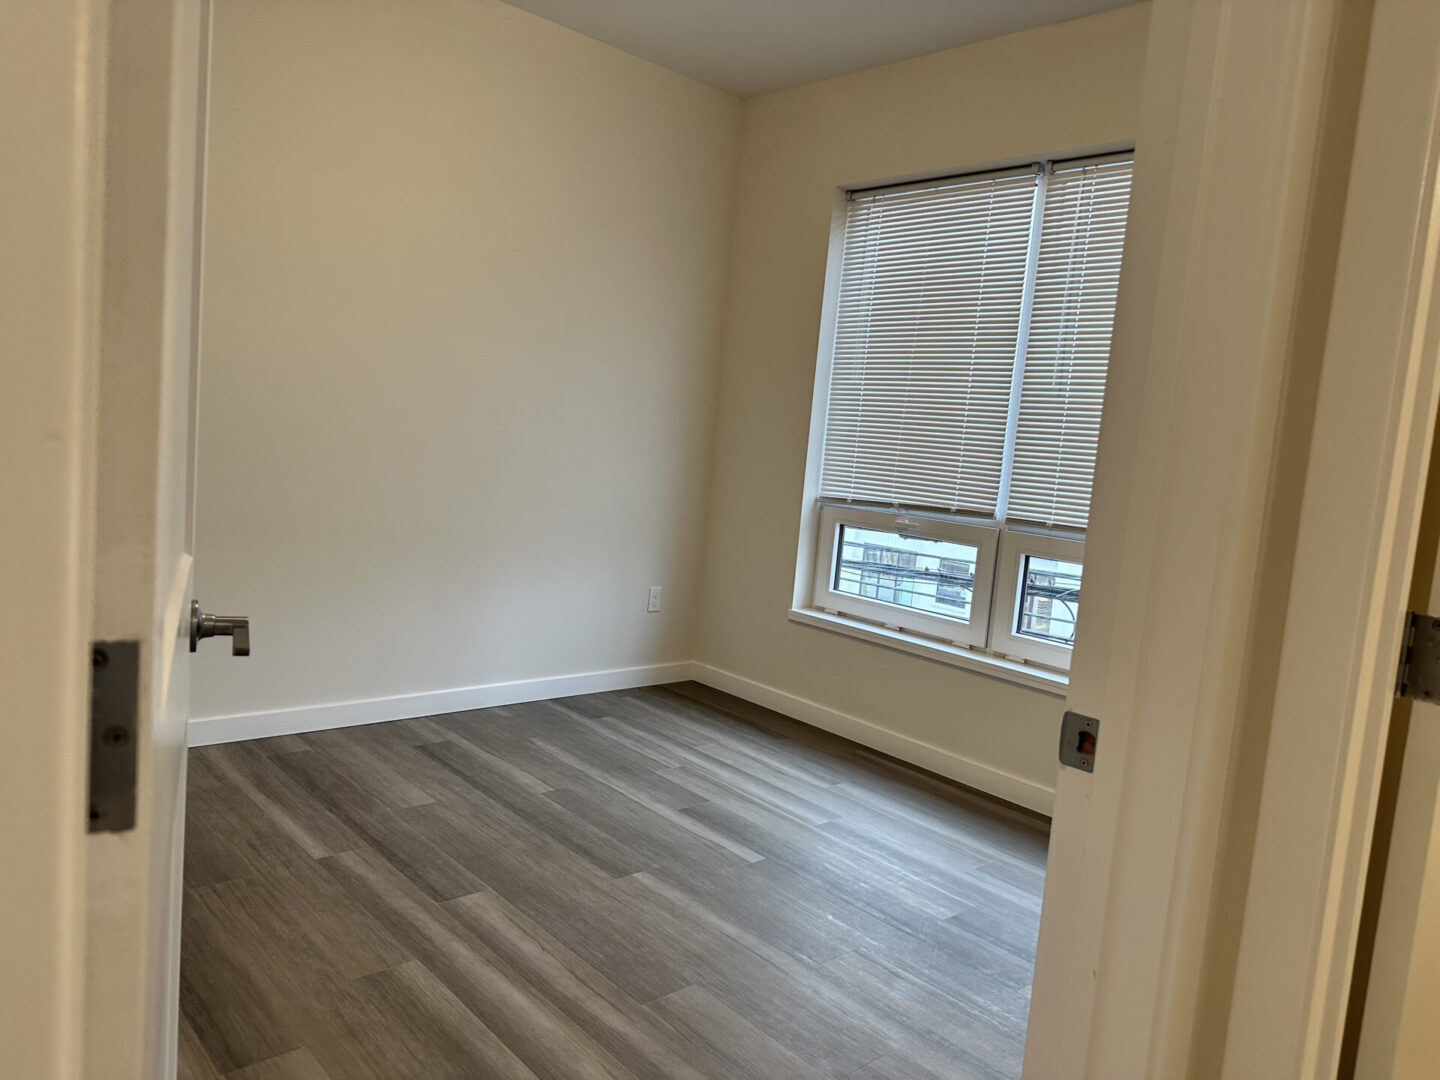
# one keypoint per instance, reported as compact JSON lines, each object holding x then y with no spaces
{"x":1049,"y":600}
{"x":934,"y":576}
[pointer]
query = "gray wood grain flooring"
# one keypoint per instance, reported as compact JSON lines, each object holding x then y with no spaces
{"x":656,"y":884}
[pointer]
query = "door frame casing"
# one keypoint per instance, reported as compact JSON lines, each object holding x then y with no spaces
{"x":1171,"y":937}
{"x":1389,"y":1028}
{"x":52,"y":78}
{"x":1353,"y":562}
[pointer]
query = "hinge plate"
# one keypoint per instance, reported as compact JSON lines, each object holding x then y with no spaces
{"x":114,"y":705}
{"x":1419,"y":674}
{"x":1079,"y":735}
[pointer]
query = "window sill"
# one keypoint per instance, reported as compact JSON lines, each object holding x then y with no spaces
{"x":996,"y":667}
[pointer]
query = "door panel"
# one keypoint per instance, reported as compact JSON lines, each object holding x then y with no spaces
{"x":155,"y":96}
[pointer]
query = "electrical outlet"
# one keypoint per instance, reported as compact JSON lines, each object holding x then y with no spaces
{"x":654,"y":604}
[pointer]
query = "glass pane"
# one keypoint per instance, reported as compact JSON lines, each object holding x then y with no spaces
{"x":1049,"y":600}
{"x":935,"y":576}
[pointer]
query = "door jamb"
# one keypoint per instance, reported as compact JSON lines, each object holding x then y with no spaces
{"x":52,"y":77}
{"x":1364,"y":493}
{"x":1205,"y":355}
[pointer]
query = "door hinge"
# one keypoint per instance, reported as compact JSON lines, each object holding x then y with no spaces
{"x":1419,"y":673}
{"x":114,"y":707}
{"x":1079,"y":736}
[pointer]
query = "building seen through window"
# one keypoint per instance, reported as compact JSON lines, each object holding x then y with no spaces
{"x":1049,"y":600}
{"x":908,"y":571}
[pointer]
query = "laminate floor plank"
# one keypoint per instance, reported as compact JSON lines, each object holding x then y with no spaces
{"x":989,"y":1040}
{"x":665,"y":712}
{"x":330,"y":782}
{"x":790,"y":999}
{"x":961,"y":872}
{"x":579,"y":736}
{"x":538,"y":1032}
{"x":200,"y":773}
{"x":410,"y":846}
{"x":667,"y":753}
{"x":194,"y":1063}
{"x":610,"y":1016}
{"x":299,"y":1065}
{"x":572,"y":899}
{"x":491,"y":789}
{"x":506,"y":738}
{"x":277,"y":745}
{"x":646,"y":784}
{"x":228,"y":837}
{"x":301,"y":911}
{"x":653,"y":884}
{"x":803,"y":925}
{"x":709,"y":778}
{"x":829,"y":860}
{"x":370,"y":764}
{"x":653,"y":830}
{"x":293,"y":808}
{"x":894,"y":1067}
{"x":727,"y":1042}
{"x":404,"y":1024}
{"x":823,"y":754}
{"x":777,"y":769}
{"x":239,"y":1010}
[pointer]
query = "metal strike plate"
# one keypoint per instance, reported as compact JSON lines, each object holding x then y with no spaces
{"x":114,"y":707}
{"x":1078,"y":737}
{"x":1419,"y":675}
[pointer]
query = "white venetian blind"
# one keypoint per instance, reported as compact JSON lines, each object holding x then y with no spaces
{"x":1068,"y":347}
{"x":929,"y":312}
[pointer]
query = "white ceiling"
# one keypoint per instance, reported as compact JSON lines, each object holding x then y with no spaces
{"x":753,"y":46}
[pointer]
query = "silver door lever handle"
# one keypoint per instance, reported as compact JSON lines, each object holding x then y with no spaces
{"x":235,"y":627}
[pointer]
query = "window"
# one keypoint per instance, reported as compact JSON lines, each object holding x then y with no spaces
{"x":1049,"y":600}
{"x":962,"y":394}
{"x":926,"y":575}
{"x":1039,"y":591}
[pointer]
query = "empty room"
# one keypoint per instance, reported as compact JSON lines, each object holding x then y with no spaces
{"x":513,"y":450}
{"x":678,"y":539}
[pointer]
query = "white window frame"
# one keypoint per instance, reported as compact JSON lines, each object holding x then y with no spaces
{"x":984,"y":538}
{"x":998,"y":651}
{"x":1015,"y":546}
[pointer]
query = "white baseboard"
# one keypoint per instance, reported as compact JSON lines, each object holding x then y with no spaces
{"x":971,"y":773}
{"x":208,"y":730}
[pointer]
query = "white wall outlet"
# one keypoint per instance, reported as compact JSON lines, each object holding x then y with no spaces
{"x":654,"y":604}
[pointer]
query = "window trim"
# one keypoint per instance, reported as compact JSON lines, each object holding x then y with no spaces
{"x":803,"y":609}
{"x":1015,"y":545}
{"x":984,"y":538}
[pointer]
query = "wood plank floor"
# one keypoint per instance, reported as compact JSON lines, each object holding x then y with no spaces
{"x":657,"y":884}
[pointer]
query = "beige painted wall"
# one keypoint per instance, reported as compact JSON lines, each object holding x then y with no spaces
{"x":463,"y":277}
{"x":464,"y":273}
{"x":1069,"y":86}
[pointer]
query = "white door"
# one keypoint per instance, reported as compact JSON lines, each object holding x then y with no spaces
{"x":103,"y":105}
{"x":143,"y":532}
{"x":1274,"y":384}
